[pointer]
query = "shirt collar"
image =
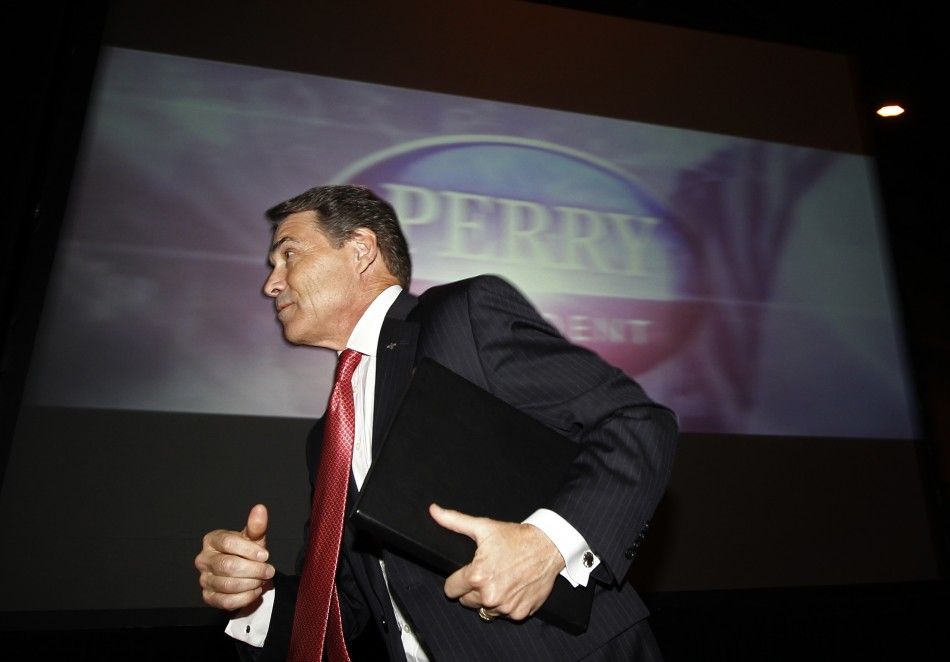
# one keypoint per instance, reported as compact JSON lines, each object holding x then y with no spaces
{"x":365,"y":336}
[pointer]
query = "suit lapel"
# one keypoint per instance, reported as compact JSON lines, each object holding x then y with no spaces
{"x":394,"y":360}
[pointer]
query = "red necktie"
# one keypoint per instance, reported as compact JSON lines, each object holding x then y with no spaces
{"x":317,"y":616}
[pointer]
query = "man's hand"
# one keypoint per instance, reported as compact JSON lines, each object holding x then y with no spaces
{"x":513,"y":570}
{"x":233,"y":563}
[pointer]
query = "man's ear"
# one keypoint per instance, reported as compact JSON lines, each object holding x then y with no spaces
{"x":365,"y":248}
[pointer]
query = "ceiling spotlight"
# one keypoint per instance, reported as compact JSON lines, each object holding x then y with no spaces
{"x":890,"y":111}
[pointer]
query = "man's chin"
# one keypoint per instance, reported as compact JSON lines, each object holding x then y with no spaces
{"x":290,"y":335}
{"x":292,"y":338}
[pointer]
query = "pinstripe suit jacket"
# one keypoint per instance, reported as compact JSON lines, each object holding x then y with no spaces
{"x":484,"y":330}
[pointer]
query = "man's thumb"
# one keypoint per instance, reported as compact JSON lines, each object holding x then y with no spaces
{"x":454,"y":520}
{"x":256,"y":528}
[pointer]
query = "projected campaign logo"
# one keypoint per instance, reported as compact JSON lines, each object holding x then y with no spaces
{"x":606,"y":263}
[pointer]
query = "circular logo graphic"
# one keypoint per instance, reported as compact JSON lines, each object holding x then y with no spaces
{"x":603,"y":260}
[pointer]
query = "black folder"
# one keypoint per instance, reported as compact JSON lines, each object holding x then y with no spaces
{"x":457,"y":445}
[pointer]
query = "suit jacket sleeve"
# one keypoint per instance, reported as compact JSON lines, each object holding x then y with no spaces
{"x":628,"y":441}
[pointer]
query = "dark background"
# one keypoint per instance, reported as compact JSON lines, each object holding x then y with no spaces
{"x":829,"y":609}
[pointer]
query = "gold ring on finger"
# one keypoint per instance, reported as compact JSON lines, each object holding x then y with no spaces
{"x":485,"y":616}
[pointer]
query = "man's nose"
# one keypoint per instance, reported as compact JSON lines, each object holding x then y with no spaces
{"x":274,"y":283}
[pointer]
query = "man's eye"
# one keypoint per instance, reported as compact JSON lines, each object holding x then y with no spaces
{"x":287,"y":253}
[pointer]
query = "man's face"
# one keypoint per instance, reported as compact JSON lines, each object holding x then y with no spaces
{"x":312,"y":283}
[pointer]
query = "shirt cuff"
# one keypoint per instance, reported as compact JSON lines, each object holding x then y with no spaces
{"x":250,"y":625}
{"x":579,"y":559}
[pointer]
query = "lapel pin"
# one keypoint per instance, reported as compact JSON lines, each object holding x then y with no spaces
{"x":391,"y":345}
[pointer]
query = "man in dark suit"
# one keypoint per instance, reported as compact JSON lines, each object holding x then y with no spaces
{"x":340,"y":261}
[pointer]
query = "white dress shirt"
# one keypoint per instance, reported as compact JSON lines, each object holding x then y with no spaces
{"x":251,"y":627}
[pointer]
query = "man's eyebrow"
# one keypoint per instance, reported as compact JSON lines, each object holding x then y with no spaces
{"x":283,"y":240}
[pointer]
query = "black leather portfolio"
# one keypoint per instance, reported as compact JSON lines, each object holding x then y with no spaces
{"x":457,"y":445}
